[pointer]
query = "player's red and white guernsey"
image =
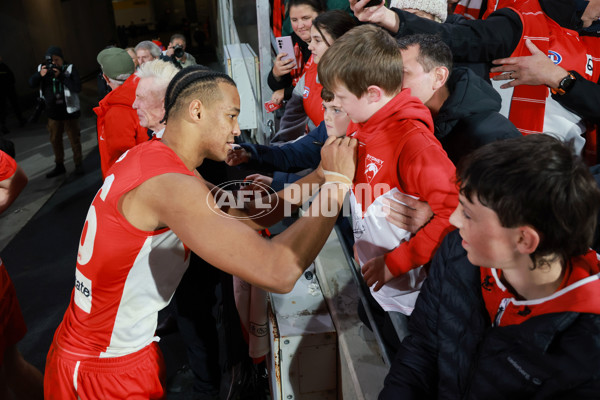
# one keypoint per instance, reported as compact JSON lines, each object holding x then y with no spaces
{"x":124,"y":276}
{"x":399,"y":153}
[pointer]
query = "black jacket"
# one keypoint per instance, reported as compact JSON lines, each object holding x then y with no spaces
{"x":453,"y":352}
{"x":53,"y":91}
{"x":482,"y":41}
{"x":469,"y":117}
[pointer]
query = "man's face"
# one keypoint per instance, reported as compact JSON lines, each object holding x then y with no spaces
{"x":420,"y":83}
{"x":177,"y":42}
{"x":222,"y":118}
{"x":143,"y":56}
{"x":355,"y":107}
{"x":487,"y":242}
{"x":133,"y":57}
{"x":149,"y":105}
{"x":336,"y":120}
{"x":58,"y":61}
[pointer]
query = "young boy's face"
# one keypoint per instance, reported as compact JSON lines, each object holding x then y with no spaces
{"x":487,"y":242}
{"x":356,"y":108}
{"x":336,"y":120}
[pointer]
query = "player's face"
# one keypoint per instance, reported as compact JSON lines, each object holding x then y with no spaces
{"x":318,"y":43}
{"x":487,"y":242}
{"x":223,"y":121}
{"x":301,"y":17}
{"x":149,"y":105}
{"x":336,"y":120}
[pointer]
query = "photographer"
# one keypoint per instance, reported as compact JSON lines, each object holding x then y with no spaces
{"x":176,"y":51}
{"x":59,"y":86}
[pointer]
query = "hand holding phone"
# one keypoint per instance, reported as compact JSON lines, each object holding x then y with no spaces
{"x":285,"y":45}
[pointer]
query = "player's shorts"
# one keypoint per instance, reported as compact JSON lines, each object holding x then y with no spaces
{"x":136,"y":376}
{"x":12,"y":324}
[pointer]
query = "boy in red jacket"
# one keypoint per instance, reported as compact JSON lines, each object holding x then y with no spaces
{"x":397,"y":153}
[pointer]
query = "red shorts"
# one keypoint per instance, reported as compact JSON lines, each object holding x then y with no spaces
{"x":12,"y":324}
{"x":136,"y":376}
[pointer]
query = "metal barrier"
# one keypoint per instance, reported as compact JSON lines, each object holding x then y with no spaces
{"x":251,"y":77}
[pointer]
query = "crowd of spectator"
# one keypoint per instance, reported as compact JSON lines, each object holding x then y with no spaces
{"x":463,"y":134}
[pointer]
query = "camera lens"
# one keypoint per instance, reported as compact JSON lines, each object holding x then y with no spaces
{"x":178,"y":52}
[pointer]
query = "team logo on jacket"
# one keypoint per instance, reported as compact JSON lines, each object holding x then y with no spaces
{"x":555,"y":57}
{"x":306,"y":92}
{"x":372,"y":167}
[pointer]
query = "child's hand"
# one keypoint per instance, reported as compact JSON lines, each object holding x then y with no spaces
{"x":237,"y":156}
{"x":376,"y":273}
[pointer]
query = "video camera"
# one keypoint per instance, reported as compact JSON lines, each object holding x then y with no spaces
{"x":49,"y":64}
{"x":178,"y":51}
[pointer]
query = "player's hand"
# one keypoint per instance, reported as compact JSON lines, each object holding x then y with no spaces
{"x":339,"y":155}
{"x":375,"y":272}
{"x":237,"y":156}
{"x":407,"y":212}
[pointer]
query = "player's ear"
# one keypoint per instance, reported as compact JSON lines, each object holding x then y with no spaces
{"x":528,"y":239}
{"x":196,"y":110}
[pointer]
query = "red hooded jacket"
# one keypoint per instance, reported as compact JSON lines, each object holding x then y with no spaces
{"x":118,"y":125}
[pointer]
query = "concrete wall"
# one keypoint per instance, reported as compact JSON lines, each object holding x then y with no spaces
{"x":27,"y":27}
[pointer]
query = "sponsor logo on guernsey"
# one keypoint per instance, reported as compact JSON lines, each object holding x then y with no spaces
{"x":306,"y":92}
{"x":554,"y":56}
{"x":372,"y":167}
{"x":83,"y":292}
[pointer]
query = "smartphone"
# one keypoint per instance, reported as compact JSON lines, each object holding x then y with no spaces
{"x":373,"y":3}
{"x":285,"y":45}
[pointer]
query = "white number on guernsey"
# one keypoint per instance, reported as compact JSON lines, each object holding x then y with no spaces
{"x":589,"y":66}
{"x":88,"y":236}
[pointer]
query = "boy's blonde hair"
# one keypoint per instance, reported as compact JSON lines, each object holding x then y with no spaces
{"x":364,"y":56}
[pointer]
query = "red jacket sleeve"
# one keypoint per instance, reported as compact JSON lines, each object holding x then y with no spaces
{"x":123,"y":131}
{"x":426,"y":172}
